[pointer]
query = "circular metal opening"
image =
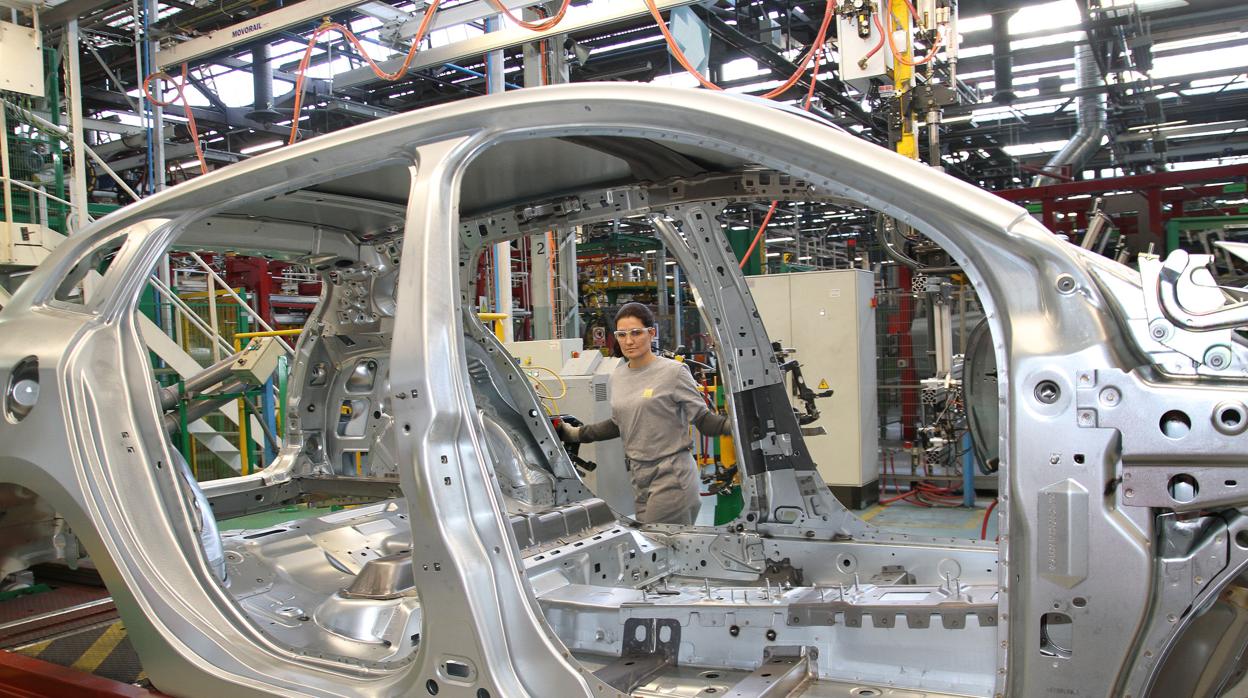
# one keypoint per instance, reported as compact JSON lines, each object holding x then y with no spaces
{"x":1230,"y":418}
{"x":1183,"y":488}
{"x":1175,"y":424}
{"x":1047,"y":392}
{"x":23,"y":390}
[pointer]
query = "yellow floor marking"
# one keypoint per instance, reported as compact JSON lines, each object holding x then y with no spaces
{"x":101,"y":648}
{"x":873,"y":512}
{"x":35,"y":649}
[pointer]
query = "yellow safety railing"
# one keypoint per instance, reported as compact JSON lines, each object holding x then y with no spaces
{"x":498,"y":319}
{"x":244,"y":453}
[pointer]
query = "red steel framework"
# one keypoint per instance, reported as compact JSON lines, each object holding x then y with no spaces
{"x":1166,"y":195}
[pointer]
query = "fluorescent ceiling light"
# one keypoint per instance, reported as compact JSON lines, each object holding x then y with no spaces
{"x":780,"y":239}
{"x":267,"y":145}
{"x":1146,"y":127}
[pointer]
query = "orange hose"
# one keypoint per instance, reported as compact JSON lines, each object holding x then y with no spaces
{"x":761,"y":229}
{"x":541,"y":25}
{"x":180,"y":88}
{"x":814,"y":79}
{"x":892,"y":45}
{"x":680,"y":57}
{"x":349,"y":36}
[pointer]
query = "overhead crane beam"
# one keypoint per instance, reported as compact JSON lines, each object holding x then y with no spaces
{"x":302,"y":13}
{"x":509,"y":37}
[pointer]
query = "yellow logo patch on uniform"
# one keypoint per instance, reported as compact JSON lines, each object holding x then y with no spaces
{"x":648,"y":392}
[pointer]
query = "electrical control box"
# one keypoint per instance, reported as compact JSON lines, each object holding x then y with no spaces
{"x":258,"y":360}
{"x":548,"y":353}
{"x":21,"y":58}
{"x":863,"y":48}
{"x":828,"y":317}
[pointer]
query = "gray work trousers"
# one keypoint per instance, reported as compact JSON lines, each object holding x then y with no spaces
{"x":665,"y":490}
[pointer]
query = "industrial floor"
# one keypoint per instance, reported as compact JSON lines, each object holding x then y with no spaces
{"x":942,"y":522}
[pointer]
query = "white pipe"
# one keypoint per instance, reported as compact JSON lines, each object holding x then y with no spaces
{"x":73,"y":84}
{"x":495,"y":83}
{"x":185,"y":309}
{"x":94,"y":156}
{"x":6,"y":241}
{"x":23,"y":185}
{"x":212,"y":317}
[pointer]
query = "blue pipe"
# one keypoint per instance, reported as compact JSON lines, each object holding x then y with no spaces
{"x":475,"y":74}
{"x":269,"y":411}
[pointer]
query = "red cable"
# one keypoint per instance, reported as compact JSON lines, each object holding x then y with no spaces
{"x":983,"y":530}
{"x":878,"y":45}
{"x":914,"y":14}
{"x":890,"y":500}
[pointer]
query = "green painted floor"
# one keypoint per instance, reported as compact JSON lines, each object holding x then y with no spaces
{"x":272,"y":518}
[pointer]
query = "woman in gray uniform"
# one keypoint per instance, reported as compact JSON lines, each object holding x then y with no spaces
{"x":653,"y":402}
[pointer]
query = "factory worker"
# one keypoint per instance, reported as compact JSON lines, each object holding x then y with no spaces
{"x":653,"y":402}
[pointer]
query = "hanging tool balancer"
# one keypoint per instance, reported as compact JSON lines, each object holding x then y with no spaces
{"x":801,"y":391}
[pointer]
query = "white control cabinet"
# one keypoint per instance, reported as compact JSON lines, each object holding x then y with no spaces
{"x":550,"y":353}
{"x":589,"y":398}
{"x":829,"y":318}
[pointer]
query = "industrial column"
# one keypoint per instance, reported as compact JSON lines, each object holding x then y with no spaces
{"x":495,"y":83}
{"x":73,"y":86}
{"x":544,"y":64}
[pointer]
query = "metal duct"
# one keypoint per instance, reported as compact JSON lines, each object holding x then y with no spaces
{"x":262,"y":85}
{"x":196,"y":384}
{"x":1002,"y":63}
{"x":205,"y":406}
{"x":1090,"y":116}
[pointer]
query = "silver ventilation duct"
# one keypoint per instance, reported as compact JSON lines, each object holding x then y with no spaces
{"x":1090,"y":116}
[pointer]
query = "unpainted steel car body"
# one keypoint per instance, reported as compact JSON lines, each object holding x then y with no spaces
{"x":485,"y":567}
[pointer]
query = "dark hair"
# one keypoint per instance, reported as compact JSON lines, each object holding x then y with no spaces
{"x":638,"y":311}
